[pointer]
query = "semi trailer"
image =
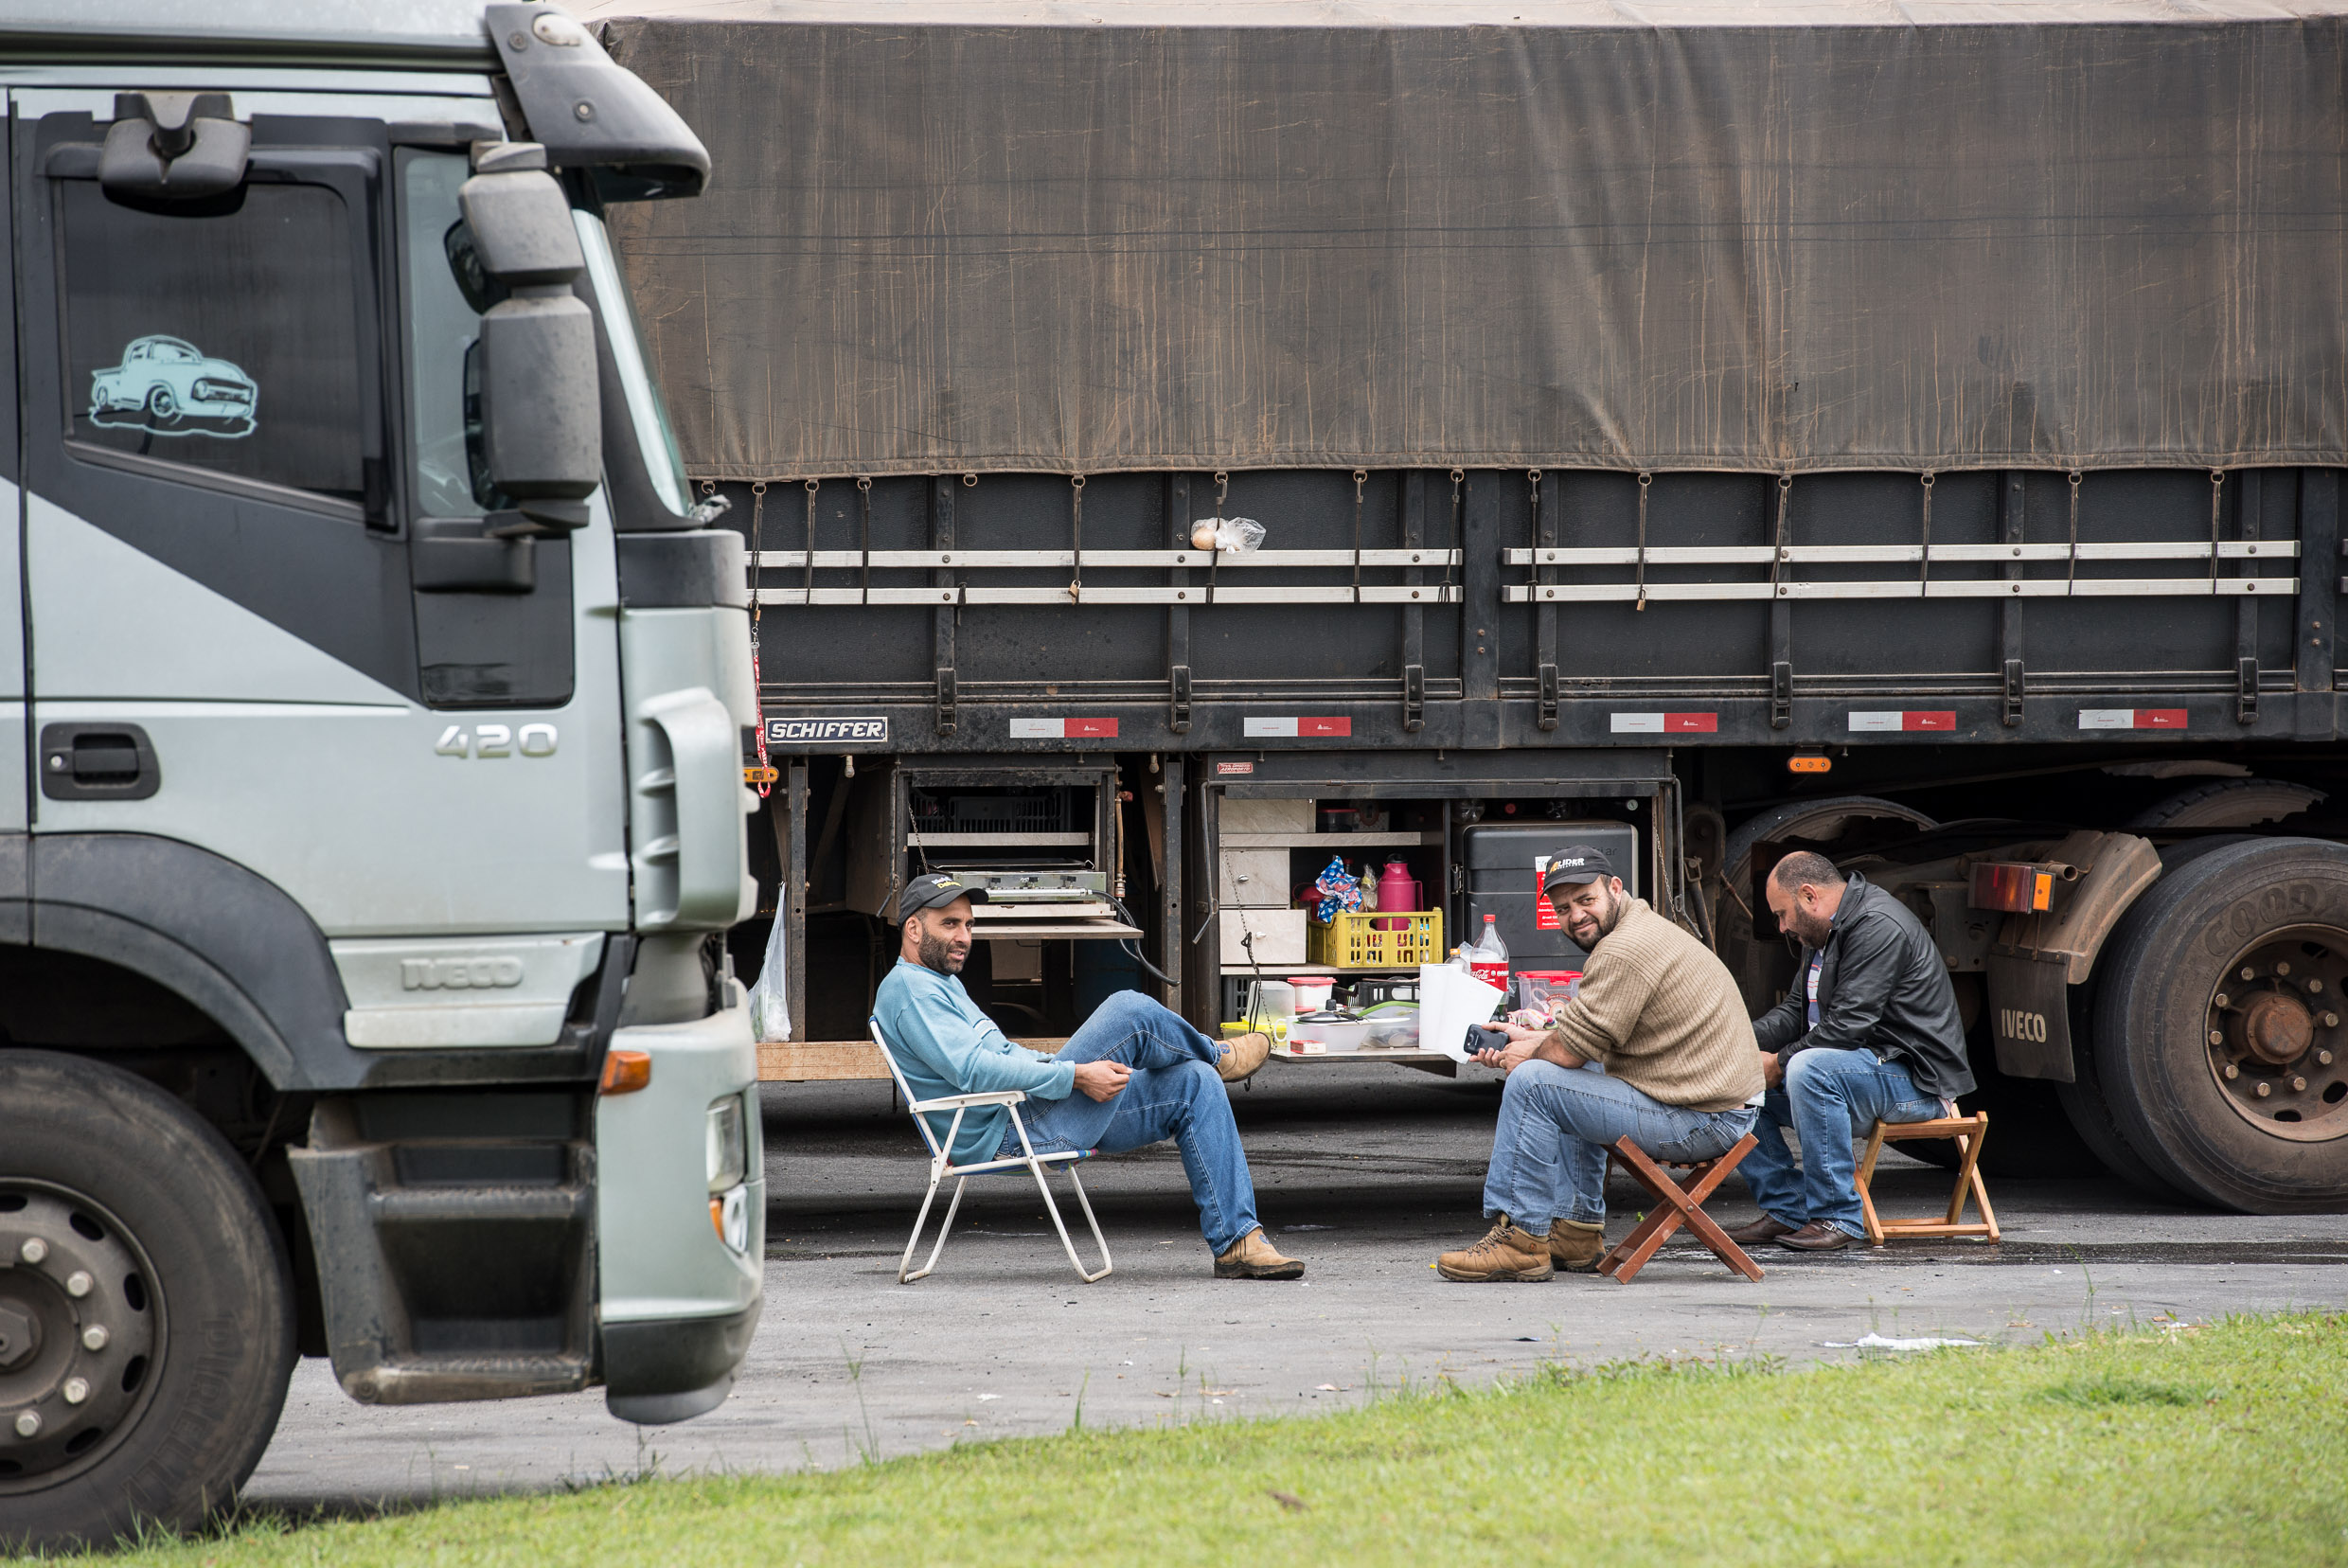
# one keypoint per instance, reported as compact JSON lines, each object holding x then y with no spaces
{"x":374,"y":695}
{"x":1916,"y":436}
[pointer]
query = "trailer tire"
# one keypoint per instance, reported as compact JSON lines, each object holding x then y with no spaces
{"x":149,"y":1309}
{"x":2278,"y":908}
{"x":2230,"y":803}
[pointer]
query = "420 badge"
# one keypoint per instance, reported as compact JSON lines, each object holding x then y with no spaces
{"x":169,"y":385}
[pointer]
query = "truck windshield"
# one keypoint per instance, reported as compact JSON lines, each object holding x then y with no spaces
{"x":645,"y":411}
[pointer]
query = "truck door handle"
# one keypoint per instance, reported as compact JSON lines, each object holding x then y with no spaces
{"x":98,"y":763}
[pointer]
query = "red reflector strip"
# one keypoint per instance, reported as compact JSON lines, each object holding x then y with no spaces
{"x":1891,"y":721}
{"x":2131,"y":719}
{"x":1064,"y":729}
{"x":1283,"y":727}
{"x":1663,"y":723}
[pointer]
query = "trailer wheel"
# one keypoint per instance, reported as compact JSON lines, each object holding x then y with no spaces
{"x":146,"y":1318}
{"x":2220,"y":1047}
{"x":2230,"y":803}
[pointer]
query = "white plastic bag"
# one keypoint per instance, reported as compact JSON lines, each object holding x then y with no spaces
{"x":1239,"y":535}
{"x":769,"y":1008}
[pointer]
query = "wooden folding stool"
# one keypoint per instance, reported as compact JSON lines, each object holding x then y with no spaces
{"x":1970,"y":1132}
{"x":1676,"y":1206}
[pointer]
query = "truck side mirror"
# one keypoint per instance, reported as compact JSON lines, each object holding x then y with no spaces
{"x":542,"y":431}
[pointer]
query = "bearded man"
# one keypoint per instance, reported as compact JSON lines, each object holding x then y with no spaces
{"x":1132,"y":1074}
{"x":1870,"y":1033}
{"x":1654,"y":1046}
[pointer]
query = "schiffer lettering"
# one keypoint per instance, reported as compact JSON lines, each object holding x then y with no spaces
{"x":806,"y":732}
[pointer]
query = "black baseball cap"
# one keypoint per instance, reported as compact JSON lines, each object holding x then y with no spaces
{"x":1575,"y":865}
{"x":934,"y":891}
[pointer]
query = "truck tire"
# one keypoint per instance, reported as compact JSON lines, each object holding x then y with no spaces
{"x":147,"y":1313}
{"x":2230,"y":803}
{"x":2220,"y":1046}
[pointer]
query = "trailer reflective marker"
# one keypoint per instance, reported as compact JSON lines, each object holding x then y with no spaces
{"x":1285,"y":728}
{"x":1663,"y":723}
{"x":2120,"y":719}
{"x":1064,"y":729}
{"x":1893,"y":721}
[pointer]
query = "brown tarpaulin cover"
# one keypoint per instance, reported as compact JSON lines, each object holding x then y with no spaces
{"x":933,"y":244}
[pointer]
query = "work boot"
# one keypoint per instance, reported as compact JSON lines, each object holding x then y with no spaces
{"x":1508,"y":1251}
{"x":1818,"y":1236}
{"x":1251,"y":1257}
{"x":1768,"y":1228}
{"x":1242,"y":1055}
{"x":1575,"y":1245}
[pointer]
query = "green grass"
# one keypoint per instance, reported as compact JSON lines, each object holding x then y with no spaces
{"x":2220,"y":1443}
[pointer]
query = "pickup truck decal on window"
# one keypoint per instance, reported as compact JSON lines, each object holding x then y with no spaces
{"x":169,"y":385}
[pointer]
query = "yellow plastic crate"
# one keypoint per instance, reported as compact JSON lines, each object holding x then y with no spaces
{"x":1354,"y":941}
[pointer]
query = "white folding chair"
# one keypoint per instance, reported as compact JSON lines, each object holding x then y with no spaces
{"x":942,"y":1166}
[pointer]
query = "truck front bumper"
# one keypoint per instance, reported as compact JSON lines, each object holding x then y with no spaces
{"x":678,"y":1299}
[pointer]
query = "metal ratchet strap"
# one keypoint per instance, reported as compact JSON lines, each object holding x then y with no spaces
{"x":1215,"y":556}
{"x":2071,"y":574}
{"x":1358,"y":475}
{"x":2217,"y":489}
{"x":1639,"y":581}
{"x":1076,"y":508}
{"x":757,"y":693}
{"x":807,"y":591}
{"x":1924,"y":567}
{"x":1777,"y":557}
{"x":1451,"y":546}
{"x":864,"y":588}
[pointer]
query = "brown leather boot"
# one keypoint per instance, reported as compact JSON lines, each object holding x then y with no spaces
{"x":1251,"y":1257}
{"x":1576,"y":1246}
{"x":1768,"y":1228}
{"x":1508,"y":1251}
{"x":1242,"y":1055}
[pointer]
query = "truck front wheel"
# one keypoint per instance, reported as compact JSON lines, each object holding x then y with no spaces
{"x":2221,"y":1034}
{"x":146,"y":1320}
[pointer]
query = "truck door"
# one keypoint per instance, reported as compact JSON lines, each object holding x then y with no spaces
{"x":264,"y":622}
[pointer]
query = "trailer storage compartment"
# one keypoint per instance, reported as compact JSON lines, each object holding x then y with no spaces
{"x":1504,"y":861}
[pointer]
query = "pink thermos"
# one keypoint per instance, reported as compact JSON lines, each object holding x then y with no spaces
{"x":1397,"y":889}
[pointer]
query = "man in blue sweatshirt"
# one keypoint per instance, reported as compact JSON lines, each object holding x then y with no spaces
{"x":1133,"y":1074}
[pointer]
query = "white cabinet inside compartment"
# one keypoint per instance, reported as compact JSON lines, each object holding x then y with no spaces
{"x":1279,"y":937}
{"x":1253,"y":879}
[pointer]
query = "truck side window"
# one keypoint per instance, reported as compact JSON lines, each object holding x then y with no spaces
{"x":443,"y":327}
{"x":225,"y":341}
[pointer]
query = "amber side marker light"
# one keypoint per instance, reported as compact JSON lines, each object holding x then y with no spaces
{"x":1809,"y":764}
{"x":624,"y":1072}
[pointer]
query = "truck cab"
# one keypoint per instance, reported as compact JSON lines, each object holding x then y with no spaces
{"x":372,"y":710}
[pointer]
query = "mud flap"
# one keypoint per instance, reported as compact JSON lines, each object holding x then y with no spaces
{"x":2030,"y":1015}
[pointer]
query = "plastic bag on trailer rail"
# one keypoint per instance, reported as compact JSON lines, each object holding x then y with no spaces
{"x":770,"y":1008}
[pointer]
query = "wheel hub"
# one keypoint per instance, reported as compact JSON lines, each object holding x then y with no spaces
{"x":2277,"y":1029}
{"x":2277,"y":1046}
{"x":78,"y":1333}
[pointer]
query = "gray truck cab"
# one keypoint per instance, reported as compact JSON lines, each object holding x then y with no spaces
{"x":372,"y":703}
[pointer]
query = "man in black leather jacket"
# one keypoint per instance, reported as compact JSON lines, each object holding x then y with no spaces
{"x":1869,"y":1033}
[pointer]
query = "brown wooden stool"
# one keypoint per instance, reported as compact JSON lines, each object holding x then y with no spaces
{"x":1970,"y":1132}
{"x":1675,"y":1205}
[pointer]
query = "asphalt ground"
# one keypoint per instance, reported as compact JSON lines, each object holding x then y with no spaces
{"x":1366,"y":1172}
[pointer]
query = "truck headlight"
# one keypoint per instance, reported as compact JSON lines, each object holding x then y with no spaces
{"x":729,"y":1154}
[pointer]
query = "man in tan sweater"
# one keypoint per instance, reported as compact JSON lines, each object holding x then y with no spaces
{"x":1656,"y":1046}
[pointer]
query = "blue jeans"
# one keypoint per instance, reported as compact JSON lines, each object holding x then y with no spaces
{"x":1829,"y":1097}
{"x":1549,"y":1151}
{"x":1174,"y":1092}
